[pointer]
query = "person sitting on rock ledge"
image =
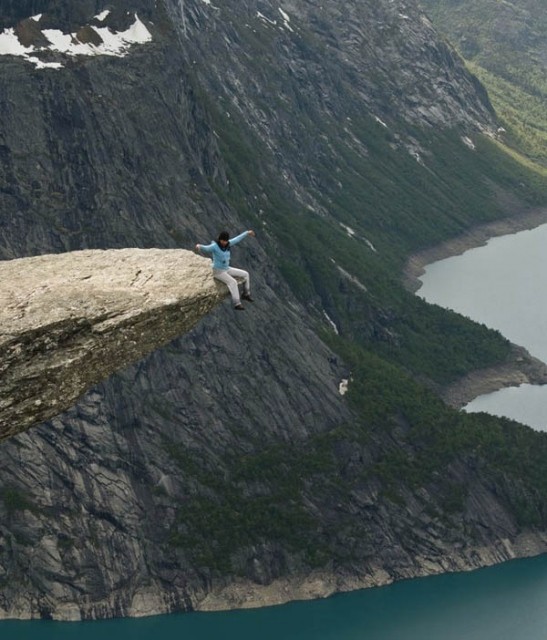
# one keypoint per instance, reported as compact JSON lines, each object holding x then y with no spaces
{"x":220,"y":250}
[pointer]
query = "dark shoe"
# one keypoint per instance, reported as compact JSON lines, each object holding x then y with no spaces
{"x":239,"y":307}
{"x":247,"y":296}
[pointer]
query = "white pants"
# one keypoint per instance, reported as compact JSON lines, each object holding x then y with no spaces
{"x":229,"y":278}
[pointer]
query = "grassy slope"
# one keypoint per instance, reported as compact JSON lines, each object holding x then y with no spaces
{"x":399,"y":206}
{"x":505,"y":46}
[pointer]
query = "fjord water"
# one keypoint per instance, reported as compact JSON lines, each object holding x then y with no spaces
{"x":503,"y":285}
{"x":506,"y":602}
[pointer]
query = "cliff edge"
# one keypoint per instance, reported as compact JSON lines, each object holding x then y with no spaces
{"x":70,"y":320}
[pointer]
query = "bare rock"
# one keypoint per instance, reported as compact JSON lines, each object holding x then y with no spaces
{"x":70,"y":320}
{"x":30,"y":34}
{"x":88,"y":35}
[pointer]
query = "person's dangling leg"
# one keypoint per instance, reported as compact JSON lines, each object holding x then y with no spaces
{"x":230,"y":282}
{"x":240,"y":273}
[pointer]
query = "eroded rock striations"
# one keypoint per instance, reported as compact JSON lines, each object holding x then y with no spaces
{"x":70,"y":320}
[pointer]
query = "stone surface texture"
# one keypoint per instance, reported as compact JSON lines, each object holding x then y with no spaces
{"x":70,"y":320}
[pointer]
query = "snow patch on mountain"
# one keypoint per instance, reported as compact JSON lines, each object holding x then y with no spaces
{"x":104,"y":42}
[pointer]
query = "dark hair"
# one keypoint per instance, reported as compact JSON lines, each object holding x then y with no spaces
{"x":224,"y":236}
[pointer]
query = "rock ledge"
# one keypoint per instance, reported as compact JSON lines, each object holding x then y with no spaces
{"x":68,"y":321}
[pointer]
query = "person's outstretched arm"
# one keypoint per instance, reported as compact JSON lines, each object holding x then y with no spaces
{"x":240,"y":237}
{"x":207,"y":248}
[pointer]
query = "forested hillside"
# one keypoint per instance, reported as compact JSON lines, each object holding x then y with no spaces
{"x":505,"y":45}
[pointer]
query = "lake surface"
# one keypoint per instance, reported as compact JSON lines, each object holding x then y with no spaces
{"x":504,"y":286}
{"x":506,"y":602}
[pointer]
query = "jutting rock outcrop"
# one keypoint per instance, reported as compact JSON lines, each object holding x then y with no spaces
{"x":70,"y":320}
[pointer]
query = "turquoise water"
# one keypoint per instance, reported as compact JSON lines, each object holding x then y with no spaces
{"x":526,"y":403}
{"x":506,"y":602}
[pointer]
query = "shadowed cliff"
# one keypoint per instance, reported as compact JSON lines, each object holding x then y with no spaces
{"x":70,"y":320}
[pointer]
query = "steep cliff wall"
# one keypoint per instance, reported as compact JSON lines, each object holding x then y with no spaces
{"x":317,"y":73}
{"x":110,"y":152}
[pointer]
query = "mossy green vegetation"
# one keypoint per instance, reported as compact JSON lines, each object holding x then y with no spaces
{"x":371,"y":201}
{"x":404,"y":441}
{"x":255,"y":500}
{"x":521,"y":113}
{"x":393,"y":206}
{"x":14,"y":500}
{"x":510,"y":456}
{"x":503,"y":45}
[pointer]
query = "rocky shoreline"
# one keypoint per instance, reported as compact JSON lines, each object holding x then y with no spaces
{"x":475,"y":237}
{"x":521,"y":367}
{"x":242,"y":594}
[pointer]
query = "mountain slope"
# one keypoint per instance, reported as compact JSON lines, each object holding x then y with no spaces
{"x":505,"y":45}
{"x":349,"y":136}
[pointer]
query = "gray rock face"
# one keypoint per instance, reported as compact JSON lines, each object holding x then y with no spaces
{"x":70,"y":320}
{"x":90,"y":522}
{"x":334,"y":63}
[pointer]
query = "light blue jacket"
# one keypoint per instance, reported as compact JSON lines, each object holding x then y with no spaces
{"x":221,"y":258}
